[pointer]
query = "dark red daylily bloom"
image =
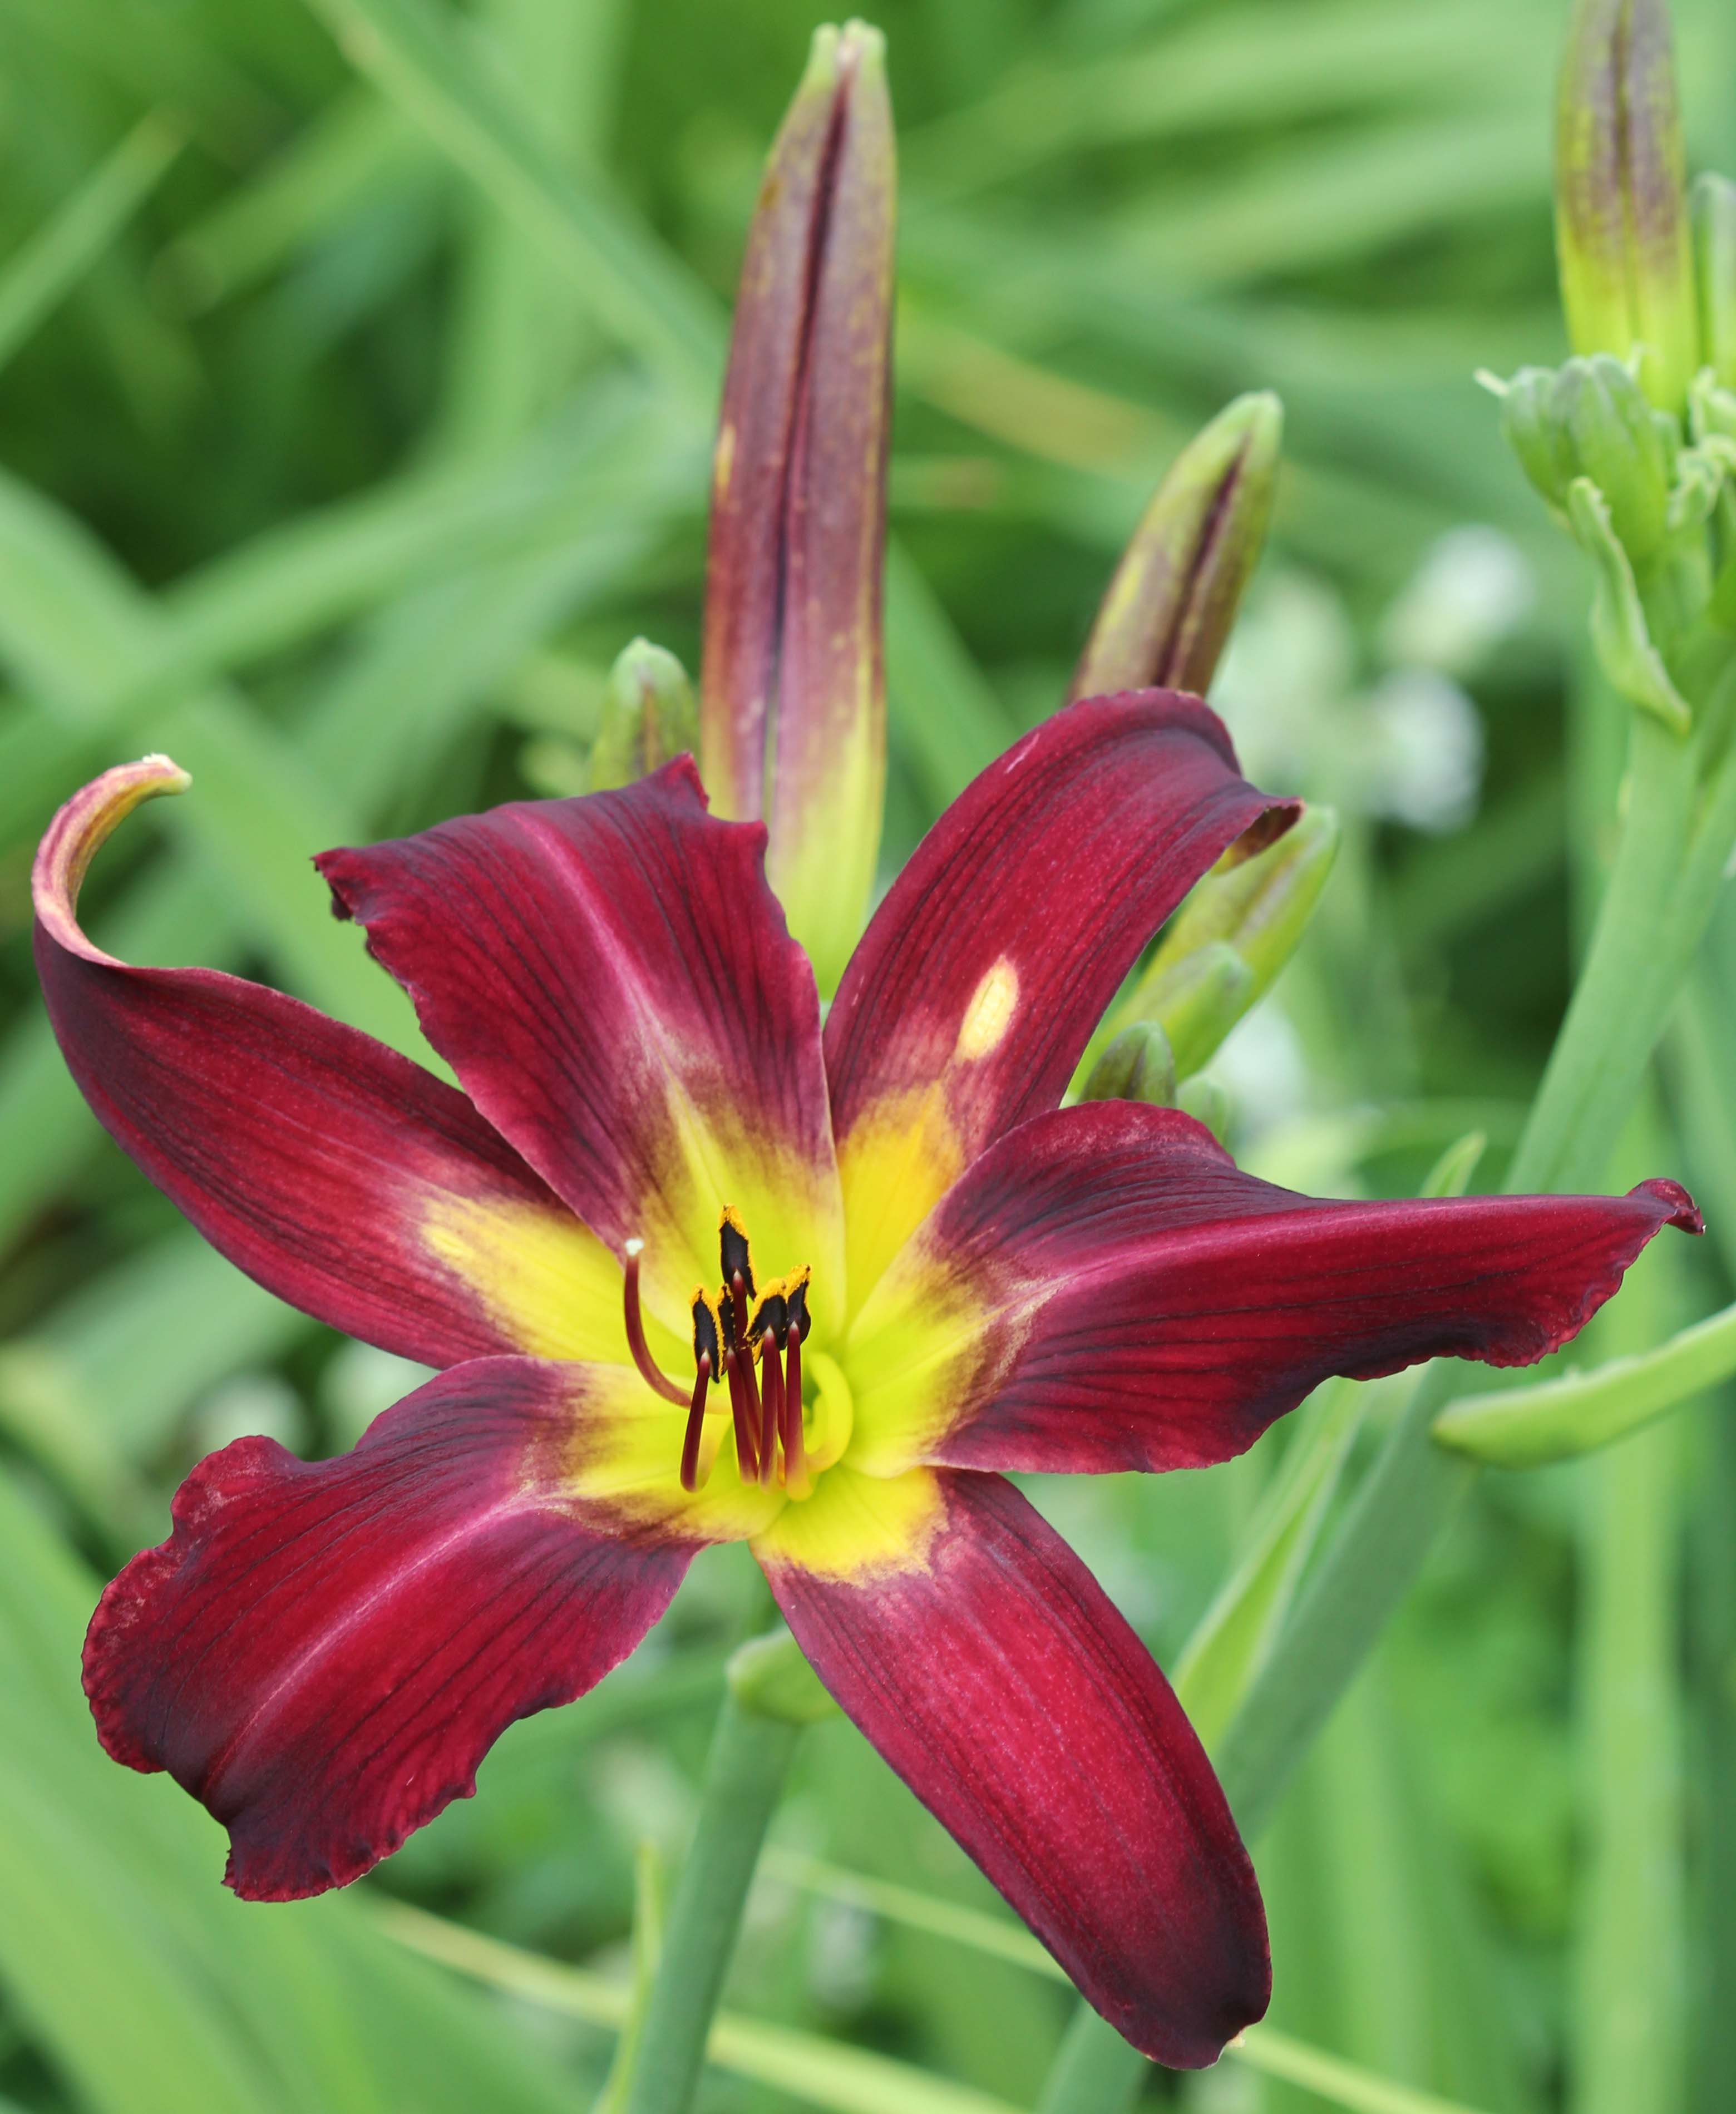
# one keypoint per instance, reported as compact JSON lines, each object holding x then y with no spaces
{"x":915,"y":1268}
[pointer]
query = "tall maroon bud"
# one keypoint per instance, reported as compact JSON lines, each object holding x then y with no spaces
{"x":792,"y":723}
{"x":1169,"y":609}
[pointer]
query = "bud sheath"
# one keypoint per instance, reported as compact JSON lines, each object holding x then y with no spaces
{"x":793,"y":711}
{"x":1168,"y":608}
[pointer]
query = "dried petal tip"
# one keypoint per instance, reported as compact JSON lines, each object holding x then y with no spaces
{"x":78,"y":832}
{"x":1621,"y":222}
{"x":1170,"y":606}
{"x":648,"y":716}
{"x":793,"y":704}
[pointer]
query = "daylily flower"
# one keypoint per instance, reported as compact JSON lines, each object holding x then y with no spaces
{"x":919,"y":1271}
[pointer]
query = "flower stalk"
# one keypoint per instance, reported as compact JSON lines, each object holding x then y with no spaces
{"x":744,"y":1777}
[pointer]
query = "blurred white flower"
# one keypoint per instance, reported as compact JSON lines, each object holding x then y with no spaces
{"x":1473,"y":587}
{"x":1410,"y":750}
{"x":1423,"y":761}
{"x":1262,"y":1068}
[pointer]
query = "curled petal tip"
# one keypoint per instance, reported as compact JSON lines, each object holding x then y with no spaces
{"x":1682,"y":1209}
{"x":78,"y":831}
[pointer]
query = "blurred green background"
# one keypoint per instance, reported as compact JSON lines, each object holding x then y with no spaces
{"x":357,"y":361}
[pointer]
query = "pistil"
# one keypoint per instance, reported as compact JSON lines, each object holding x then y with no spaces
{"x":634,"y":1319}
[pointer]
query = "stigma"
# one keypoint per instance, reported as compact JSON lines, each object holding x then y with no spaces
{"x":747,"y":1337}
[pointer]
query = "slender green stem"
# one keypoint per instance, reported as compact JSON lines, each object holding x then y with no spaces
{"x":750,"y":1759}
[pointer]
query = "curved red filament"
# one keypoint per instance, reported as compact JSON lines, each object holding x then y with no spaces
{"x":795,"y":1464}
{"x":771,"y":1417}
{"x":636,"y":1343}
{"x":695,"y":1425}
{"x":745,"y":1408}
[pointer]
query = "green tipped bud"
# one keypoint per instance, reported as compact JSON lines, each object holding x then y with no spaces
{"x":793,"y":717}
{"x":649,"y":716}
{"x":770,"y":1678}
{"x":1621,"y":221}
{"x":1535,"y":435}
{"x":1715,"y":274}
{"x":1198,"y":997}
{"x":1169,"y":609}
{"x":1138,"y":1065}
{"x":1225,"y":946}
{"x":1207,"y":1103}
{"x":1589,"y":419}
{"x":1626,"y":448}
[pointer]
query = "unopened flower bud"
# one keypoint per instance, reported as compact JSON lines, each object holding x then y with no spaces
{"x":1138,"y":1065}
{"x":1225,"y":946}
{"x":1535,"y":434}
{"x":1590,"y":419}
{"x":1715,"y":274}
{"x":793,"y":710}
{"x":1621,"y":221}
{"x":1169,"y":609}
{"x":649,"y":716}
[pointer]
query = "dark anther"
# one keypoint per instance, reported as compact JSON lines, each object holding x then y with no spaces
{"x":732,"y":1246}
{"x":772,"y":1313}
{"x":800,"y":1320}
{"x":712,"y":1334}
{"x":636,"y":1343}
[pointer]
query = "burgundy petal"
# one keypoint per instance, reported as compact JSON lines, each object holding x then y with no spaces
{"x":611,"y":979}
{"x":322,"y":1653}
{"x":976,"y":985}
{"x":337,"y":1173}
{"x":1105,"y":1290}
{"x":995,"y":1677}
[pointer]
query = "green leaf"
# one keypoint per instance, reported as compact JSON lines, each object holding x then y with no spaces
{"x":37,"y":278}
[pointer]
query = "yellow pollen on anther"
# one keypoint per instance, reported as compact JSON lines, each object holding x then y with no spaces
{"x":989,"y":1013}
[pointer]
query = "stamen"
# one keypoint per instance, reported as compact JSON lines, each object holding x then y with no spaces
{"x":744,"y":1342}
{"x":796,"y":1478}
{"x":695,"y":1425}
{"x":636,"y":1343}
{"x":771,"y":1385}
{"x":747,"y":1451}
